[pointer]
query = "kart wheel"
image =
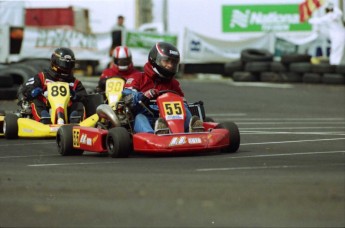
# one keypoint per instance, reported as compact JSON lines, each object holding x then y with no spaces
{"x":209,"y":119}
{"x":10,"y":126}
{"x":64,"y":141}
{"x":119,"y":142}
{"x":234,"y":136}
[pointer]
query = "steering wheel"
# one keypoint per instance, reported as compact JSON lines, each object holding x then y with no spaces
{"x":167,"y":91}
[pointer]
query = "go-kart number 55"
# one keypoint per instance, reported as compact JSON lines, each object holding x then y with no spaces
{"x":58,"y":90}
{"x":173,"y":108}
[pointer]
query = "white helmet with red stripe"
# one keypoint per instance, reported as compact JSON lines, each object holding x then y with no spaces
{"x":122,"y":57}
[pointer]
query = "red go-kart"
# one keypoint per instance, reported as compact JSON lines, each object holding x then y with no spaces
{"x":119,"y":140}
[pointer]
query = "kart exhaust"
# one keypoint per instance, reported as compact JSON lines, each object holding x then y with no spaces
{"x":106,"y":112}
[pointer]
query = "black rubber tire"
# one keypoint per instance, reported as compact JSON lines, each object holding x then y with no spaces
{"x":6,"y":80}
{"x":118,"y":142}
{"x":292,"y":77}
{"x":19,"y":76}
{"x":209,"y":119}
{"x":312,"y":78}
{"x":9,"y":93}
{"x":295,"y":58}
{"x":278,"y":67}
{"x":300,"y":67}
{"x":38,"y":64}
{"x":245,"y":77}
{"x":11,"y":126}
{"x":234,"y":136}
{"x":271,"y":77}
{"x":323,"y":68}
{"x":334,"y":79}
{"x":256,"y":55}
{"x":231,"y":67}
{"x":64,"y":141}
{"x":257,"y":67}
{"x":92,"y":102}
{"x":340,"y":69}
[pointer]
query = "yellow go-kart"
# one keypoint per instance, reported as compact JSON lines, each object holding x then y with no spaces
{"x":21,"y":124}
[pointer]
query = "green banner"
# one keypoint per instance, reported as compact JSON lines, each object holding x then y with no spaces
{"x":259,"y":18}
{"x":147,"y":40}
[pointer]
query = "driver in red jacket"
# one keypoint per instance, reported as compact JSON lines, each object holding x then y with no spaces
{"x":122,"y":66}
{"x":158,"y":75}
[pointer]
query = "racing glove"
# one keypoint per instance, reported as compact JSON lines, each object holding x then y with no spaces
{"x":36,"y":91}
{"x":151,"y":94}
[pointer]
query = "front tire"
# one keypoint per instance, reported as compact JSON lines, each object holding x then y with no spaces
{"x":64,"y":141}
{"x":10,"y":126}
{"x":119,"y":142}
{"x":234,"y":136}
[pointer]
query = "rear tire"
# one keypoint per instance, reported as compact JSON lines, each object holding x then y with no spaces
{"x":10,"y":126}
{"x":64,"y":141}
{"x":234,"y":136}
{"x":119,"y":142}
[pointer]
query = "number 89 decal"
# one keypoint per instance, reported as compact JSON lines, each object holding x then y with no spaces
{"x":56,"y":91}
{"x":173,"y":110}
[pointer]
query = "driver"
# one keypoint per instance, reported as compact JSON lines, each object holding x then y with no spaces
{"x":62,"y":63}
{"x":122,"y":66}
{"x":158,"y":75}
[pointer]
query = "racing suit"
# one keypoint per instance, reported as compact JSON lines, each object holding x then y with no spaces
{"x":113,"y":71}
{"x":134,"y":90}
{"x":39,"y":103}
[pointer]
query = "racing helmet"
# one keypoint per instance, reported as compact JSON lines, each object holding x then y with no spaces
{"x":62,"y":61}
{"x":122,"y":57}
{"x":164,"y":58}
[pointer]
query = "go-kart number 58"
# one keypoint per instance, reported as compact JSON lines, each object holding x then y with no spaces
{"x":173,"y":108}
{"x":56,"y":91}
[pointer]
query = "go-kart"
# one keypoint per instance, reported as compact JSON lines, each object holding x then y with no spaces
{"x":119,"y":140}
{"x":22,"y":124}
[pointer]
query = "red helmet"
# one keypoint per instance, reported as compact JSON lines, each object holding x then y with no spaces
{"x":122,"y":57}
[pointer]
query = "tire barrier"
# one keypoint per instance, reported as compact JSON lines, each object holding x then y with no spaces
{"x":15,"y":74}
{"x":257,"y":65}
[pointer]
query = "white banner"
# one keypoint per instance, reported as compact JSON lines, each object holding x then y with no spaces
{"x":201,"y":49}
{"x":40,"y":43}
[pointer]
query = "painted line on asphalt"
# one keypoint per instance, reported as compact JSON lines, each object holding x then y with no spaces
{"x":290,"y":154}
{"x":26,"y":144}
{"x":290,"y":133}
{"x":293,"y":141}
{"x":266,"y":167}
{"x":275,"y":118}
{"x":26,"y":156}
{"x":67,"y":164}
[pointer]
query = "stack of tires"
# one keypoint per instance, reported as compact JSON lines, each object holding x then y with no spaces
{"x":258,"y":65}
{"x":15,"y":74}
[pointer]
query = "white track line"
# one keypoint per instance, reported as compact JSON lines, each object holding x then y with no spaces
{"x":290,"y":154}
{"x":66,"y":164}
{"x":26,"y":144}
{"x":265,"y":167}
{"x":27,"y":156}
{"x":294,"y":141}
{"x":290,"y":133}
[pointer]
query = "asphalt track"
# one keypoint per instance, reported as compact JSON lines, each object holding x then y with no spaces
{"x":289,"y":171}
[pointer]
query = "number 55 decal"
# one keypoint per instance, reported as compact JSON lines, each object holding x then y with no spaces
{"x":173,"y":110}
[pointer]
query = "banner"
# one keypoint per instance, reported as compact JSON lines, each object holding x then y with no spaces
{"x":140,"y":44}
{"x":201,"y":49}
{"x":259,"y":18}
{"x":40,"y":43}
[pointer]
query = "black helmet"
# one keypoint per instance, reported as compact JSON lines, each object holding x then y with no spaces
{"x":62,"y":61}
{"x":164,"y":58}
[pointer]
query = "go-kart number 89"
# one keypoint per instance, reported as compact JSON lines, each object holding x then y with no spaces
{"x":173,"y":108}
{"x":56,"y":90}
{"x":114,"y":86}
